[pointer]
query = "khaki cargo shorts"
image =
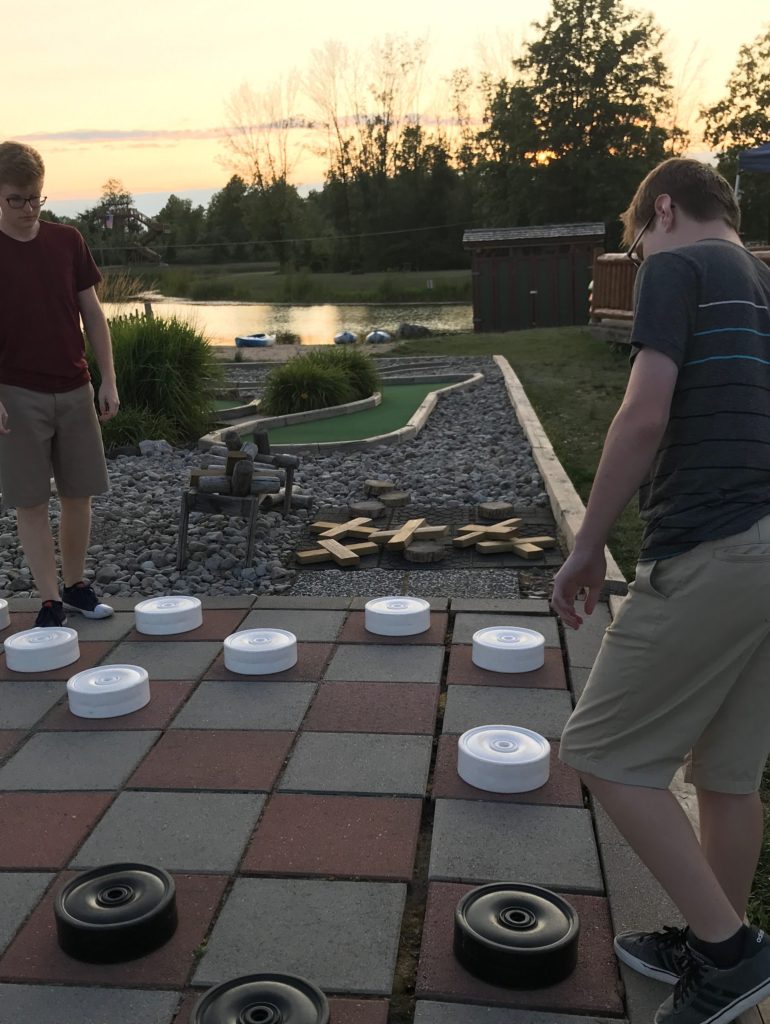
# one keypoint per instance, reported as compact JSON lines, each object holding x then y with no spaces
{"x":51,"y":434}
{"x":684,"y":667}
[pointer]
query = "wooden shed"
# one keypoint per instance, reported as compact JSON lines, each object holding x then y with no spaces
{"x":532,"y":277}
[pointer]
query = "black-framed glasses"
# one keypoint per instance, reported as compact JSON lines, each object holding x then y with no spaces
{"x":631,"y":252}
{"x":19,"y":202}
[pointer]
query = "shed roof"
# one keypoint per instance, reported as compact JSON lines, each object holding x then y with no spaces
{"x":533,"y":233}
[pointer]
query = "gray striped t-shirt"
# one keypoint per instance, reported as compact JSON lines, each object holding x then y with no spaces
{"x":707,"y":306}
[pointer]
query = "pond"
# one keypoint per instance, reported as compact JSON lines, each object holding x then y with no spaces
{"x":315,"y":325}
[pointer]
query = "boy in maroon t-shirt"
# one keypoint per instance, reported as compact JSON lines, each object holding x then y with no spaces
{"x":48,"y":422}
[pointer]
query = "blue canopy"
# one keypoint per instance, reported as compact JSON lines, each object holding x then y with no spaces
{"x":755,"y":159}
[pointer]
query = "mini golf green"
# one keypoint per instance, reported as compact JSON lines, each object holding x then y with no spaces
{"x":399,"y":402}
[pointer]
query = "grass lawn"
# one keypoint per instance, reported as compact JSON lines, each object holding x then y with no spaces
{"x":399,"y":402}
{"x":575,"y":384}
{"x":260,"y":283}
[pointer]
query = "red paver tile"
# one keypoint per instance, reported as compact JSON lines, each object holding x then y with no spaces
{"x":91,"y":653}
{"x":214,"y":759}
{"x":563,"y":787}
{"x":41,"y":831}
{"x":218,"y":623}
{"x":166,"y":699}
{"x":462,"y":671}
{"x":594,"y":986}
{"x":342,"y":1011}
{"x":374,"y":707}
{"x":354,"y":632}
{"x":311,"y":662}
{"x":34,"y":955}
{"x":9,"y":740}
{"x":371,"y":837}
{"x":19,"y":622}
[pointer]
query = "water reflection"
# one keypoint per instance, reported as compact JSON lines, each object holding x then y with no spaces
{"x":316,"y":325}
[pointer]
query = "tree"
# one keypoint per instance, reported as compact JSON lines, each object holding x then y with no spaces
{"x":183,"y":225}
{"x":741,"y":120}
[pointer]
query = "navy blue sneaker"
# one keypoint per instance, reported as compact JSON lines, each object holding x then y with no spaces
{"x":51,"y":614}
{"x":81,"y":598}
{"x":653,"y":954}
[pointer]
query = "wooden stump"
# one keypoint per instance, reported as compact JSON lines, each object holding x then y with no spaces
{"x":492,"y":510}
{"x":376,"y":487}
{"x":214,"y":484}
{"x":240,"y":478}
{"x":232,"y":440}
{"x":372,"y":509}
{"x":425,"y":551}
{"x":395,"y":499}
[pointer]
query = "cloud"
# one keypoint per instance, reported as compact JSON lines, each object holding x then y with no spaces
{"x":130,"y":136}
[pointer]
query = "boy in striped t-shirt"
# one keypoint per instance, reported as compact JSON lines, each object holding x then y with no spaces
{"x":685,"y":665}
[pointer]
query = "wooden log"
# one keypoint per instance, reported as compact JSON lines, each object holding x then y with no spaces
{"x":494,"y":509}
{"x":272,"y":501}
{"x":234,"y":458}
{"x":324,"y":555}
{"x":214,"y":485}
{"x":425,"y":551}
{"x":405,"y":535}
{"x":268,"y":460}
{"x":240,"y":477}
{"x":395,"y":499}
{"x":267,"y":472}
{"x":232,"y":440}
{"x":218,"y":461}
{"x":218,"y":449}
{"x":262,"y":441}
{"x":219,"y":504}
{"x":286,"y":461}
{"x":373,"y":509}
{"x":264,"y":485}
{"x":373,"y":488}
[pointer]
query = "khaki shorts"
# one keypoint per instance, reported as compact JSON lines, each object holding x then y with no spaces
{"x":51,"y":434}
{"x":685,"y":666}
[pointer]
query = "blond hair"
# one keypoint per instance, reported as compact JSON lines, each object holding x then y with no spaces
{"x":20,"y":164}
{"x":701,"y":192}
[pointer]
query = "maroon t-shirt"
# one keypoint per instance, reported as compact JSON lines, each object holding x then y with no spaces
{"x":41,"y":343}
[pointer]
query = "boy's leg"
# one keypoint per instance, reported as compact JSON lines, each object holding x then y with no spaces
{"x":34,"y":528}
{"x":74,"y":533}
{"x":731,"y":828}
{"x":655,"y":825}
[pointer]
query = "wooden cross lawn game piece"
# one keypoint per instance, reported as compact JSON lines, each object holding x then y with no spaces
{"x":332,"y":551}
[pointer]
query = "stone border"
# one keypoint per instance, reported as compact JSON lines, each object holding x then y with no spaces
{"x":566,"y":505}
{"x":411,"y":429}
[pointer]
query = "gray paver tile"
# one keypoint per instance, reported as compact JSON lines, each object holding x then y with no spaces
{"x":114,"y":628}
{"x":370,"y":763}
{"x":306,"y":624}
{"x":583,"y":644}
{"x":477,"y":841}
{"x":175,"y":830}
{"x":57,"y":1004}
{"x":76,"y":760}
{"x":467,"y":623}
{"x":579,"y":677}
{"x":463,"y":1013}
{"x":19,"y":893}
{"x":387,"y":664}
{"x":522,"y":606}
{"x":331,"y":603}
{"x":168,"y":660}
{"x":245,"y":705}
{"x":22,"y":703}
{"x":545,"y":711}
{"x":343,"y":935}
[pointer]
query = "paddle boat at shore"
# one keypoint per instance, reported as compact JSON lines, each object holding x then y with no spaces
{"x":345,"y":338}
{"x":254,"y":340}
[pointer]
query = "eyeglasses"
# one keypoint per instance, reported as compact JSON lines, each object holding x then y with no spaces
{"x":631,"y":252}
{"x":19,"y":202}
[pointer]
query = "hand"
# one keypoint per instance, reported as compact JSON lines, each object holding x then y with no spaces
{"x":4,"y":428}
{"x":585,"y":569}
{"x":109,"y":403}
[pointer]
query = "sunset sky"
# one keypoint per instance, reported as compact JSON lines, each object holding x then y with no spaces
{"x":138,"y":91}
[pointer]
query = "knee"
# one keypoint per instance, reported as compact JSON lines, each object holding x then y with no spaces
{"x":75,"y":504}
{"x":32,"y":514}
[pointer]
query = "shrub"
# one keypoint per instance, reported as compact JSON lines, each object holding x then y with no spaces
{"x":287,"y":338}
{"x":166,"y":371}
{"x":358,"y":367}
{"x":120,"y":286}
{"x":303,"y":384}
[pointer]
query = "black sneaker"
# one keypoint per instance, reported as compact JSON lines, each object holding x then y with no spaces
{"x":51,"y":614}
{"x":81,"y":598}
{"x":653,"y":954}
{"x":705,"y":994}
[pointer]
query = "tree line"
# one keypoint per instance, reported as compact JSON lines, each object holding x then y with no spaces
{"x":586,"y":108}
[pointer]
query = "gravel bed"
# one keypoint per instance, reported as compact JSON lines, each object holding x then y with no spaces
{"x":471,"y":449}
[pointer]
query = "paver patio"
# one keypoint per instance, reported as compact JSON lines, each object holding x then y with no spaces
{"x":313,"y":820}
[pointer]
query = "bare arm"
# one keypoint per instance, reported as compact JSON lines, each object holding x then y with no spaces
{"x":98,"y":333}
{"x":629,"y":448}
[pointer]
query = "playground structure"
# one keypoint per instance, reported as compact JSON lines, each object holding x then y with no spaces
{"x":129,"y":219}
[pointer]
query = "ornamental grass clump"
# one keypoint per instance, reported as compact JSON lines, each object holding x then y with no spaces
{"x":166,"y":371}
{"x":358,"y":367}
{"x":303,"y":384}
